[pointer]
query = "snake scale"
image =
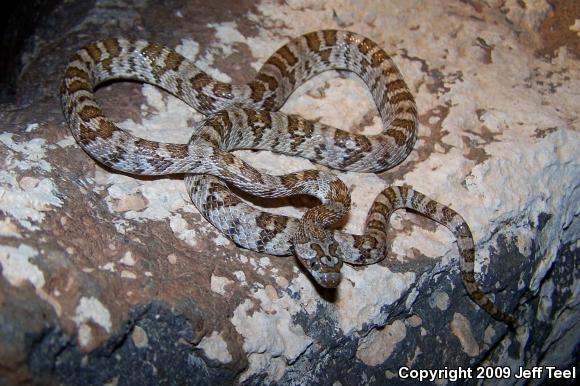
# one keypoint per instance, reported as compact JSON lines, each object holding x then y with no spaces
{"x":246,"y":117}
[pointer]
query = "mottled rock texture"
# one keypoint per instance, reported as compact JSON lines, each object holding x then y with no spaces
{"x":110,"y":279}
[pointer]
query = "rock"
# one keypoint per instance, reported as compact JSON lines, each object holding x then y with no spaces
{"x":110,"y":279}
{"x":139,"y":337}
{"x":379,"y":344}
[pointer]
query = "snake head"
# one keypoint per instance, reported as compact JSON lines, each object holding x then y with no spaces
{"x":320,"y":256}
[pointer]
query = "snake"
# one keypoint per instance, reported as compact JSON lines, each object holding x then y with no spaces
{"x":247,"y":116}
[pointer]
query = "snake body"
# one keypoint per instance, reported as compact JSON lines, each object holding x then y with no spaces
{"x":246,"y":117}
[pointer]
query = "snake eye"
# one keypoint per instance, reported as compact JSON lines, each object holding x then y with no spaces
{"x":315,"y":265}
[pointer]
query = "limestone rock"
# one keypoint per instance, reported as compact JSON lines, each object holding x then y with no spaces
{"x":110,"y":279}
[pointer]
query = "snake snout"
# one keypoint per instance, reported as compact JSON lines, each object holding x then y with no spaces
{"x":329,"y":279}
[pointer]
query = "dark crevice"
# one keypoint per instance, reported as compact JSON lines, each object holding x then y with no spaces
{"x":18,"y":23}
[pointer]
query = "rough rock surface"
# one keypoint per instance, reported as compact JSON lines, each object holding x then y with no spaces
{"x":110,"y":279}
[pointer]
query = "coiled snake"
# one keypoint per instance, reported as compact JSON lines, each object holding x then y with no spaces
{"x":246,"y":117}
